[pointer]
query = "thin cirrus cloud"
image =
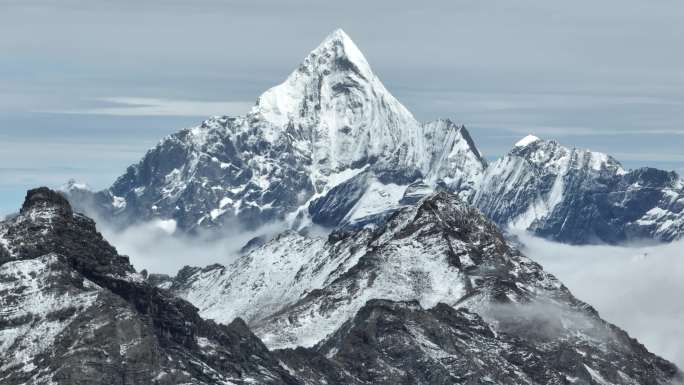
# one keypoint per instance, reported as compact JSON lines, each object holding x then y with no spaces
{"x":137,"y":106}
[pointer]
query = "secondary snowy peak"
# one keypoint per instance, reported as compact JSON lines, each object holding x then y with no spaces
{"x":524,"y":187}
{"x":292,"y":270}
{"x":580,"y":196}
{"x":454,"y":159}
{"x":439,"y":250}
{"x":549,"y":153}
{"x":526,"y":140}
{"x":454,"y":164}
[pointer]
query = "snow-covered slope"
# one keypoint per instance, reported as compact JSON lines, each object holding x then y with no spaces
{"x":439,"y":254}
{"x":580,"y":196}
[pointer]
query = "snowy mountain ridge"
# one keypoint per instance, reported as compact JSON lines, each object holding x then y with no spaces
{"x":580,"y":196}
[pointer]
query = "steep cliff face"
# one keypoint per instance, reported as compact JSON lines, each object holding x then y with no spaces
{"x":76,"y":312}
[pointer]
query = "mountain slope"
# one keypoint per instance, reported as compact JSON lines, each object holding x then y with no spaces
{"x":297,"y":291}
{"x":579,"y":196}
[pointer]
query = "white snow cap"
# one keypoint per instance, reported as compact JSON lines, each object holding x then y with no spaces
{"x":526,"y":141}
{"x":348,"y":49}
{"x":282,"y":103}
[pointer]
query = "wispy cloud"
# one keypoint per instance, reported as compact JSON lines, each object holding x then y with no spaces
{"x":137,"y":106}
{"x":152,"y":246}
{"x":567,"y":130}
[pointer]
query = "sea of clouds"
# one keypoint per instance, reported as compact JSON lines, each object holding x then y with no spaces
{"x":637,"y":287}
{"x":158,"y":248}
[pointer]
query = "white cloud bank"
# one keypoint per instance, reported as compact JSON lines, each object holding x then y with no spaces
{"x":639,"y":288}
{"x":155,"y":247}
{"x":136,"y":106}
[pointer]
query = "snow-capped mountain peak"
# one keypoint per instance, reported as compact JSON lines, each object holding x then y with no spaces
{"x":329,"y":120}
{"x":335,"y":105}
{"x":343,"y":46}
{"x":336,"y":56}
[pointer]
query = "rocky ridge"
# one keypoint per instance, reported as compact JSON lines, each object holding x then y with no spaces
{"x":389,"y":294}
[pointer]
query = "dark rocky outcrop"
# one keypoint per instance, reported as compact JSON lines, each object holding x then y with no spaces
{"x":98,"y":321}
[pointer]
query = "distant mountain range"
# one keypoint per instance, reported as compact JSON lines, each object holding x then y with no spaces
{"x":332,"y":146}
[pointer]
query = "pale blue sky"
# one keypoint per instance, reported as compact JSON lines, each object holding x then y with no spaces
{"x":601,"y":75}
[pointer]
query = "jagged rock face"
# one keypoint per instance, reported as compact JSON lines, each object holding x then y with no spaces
{"x":391,"y":342}
{"x":76,"y":312}
{"x":301,"y":291}
{"x":222,"y":171}
{"x":578,"y":196}
{"x":331,"y":119}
